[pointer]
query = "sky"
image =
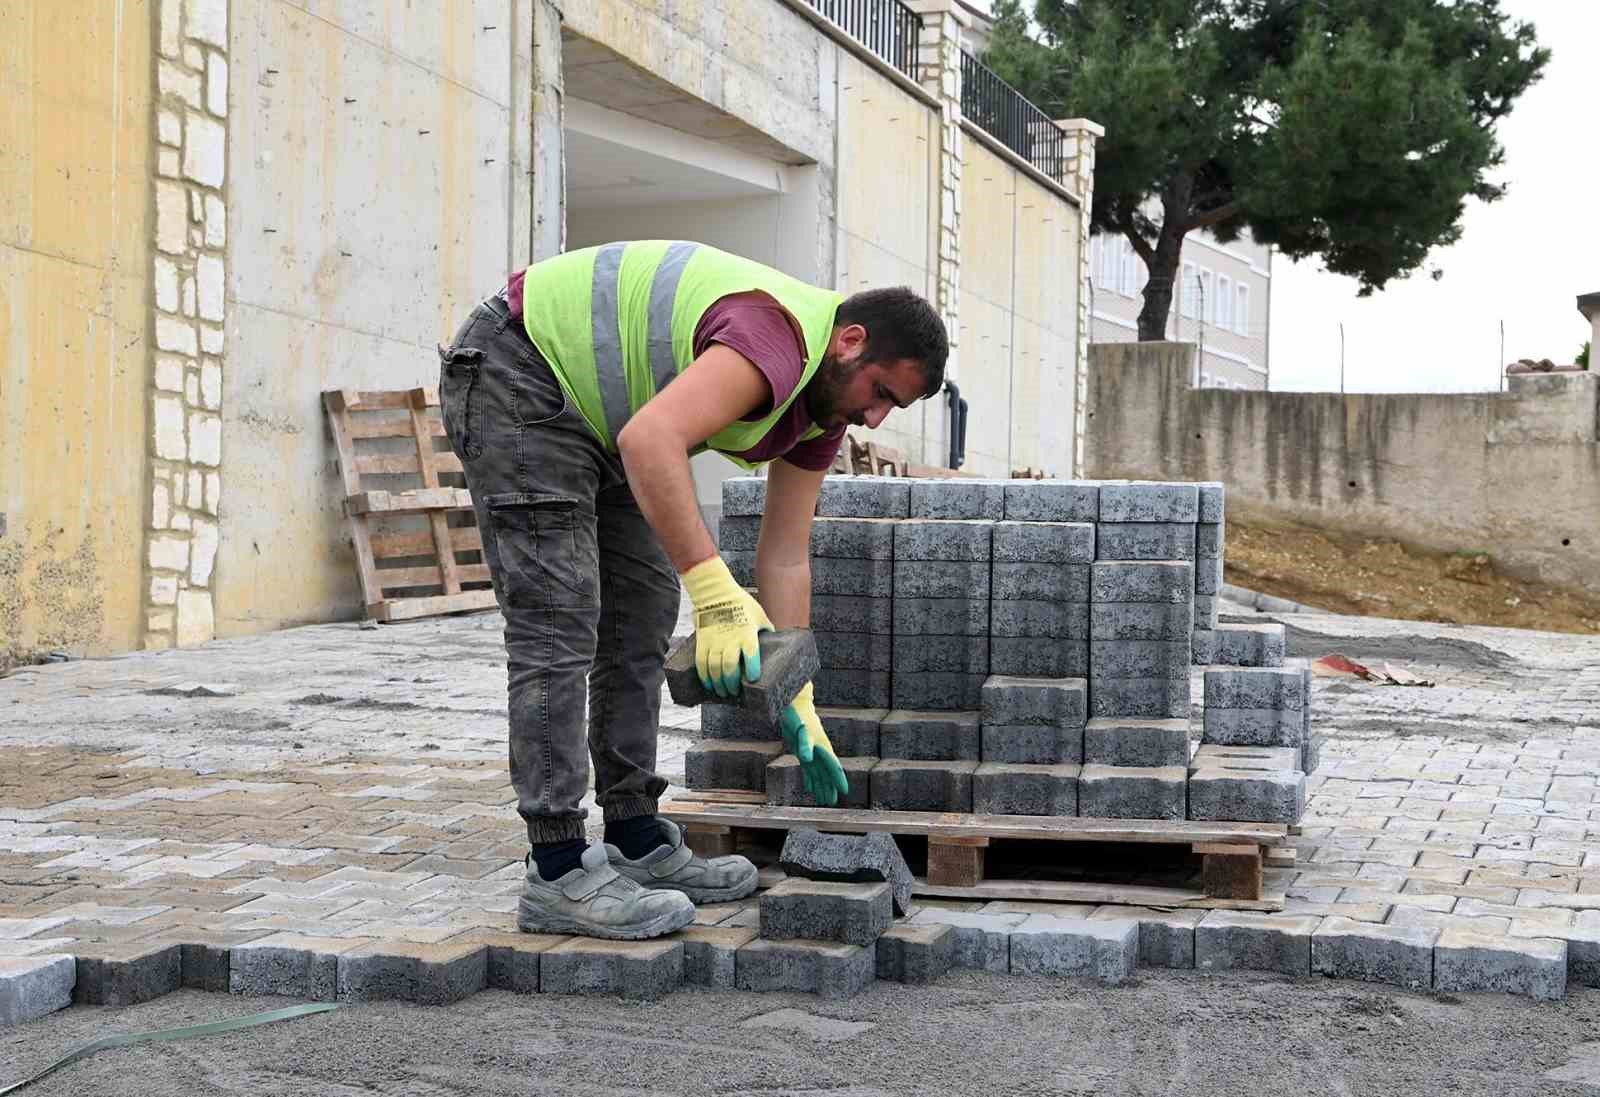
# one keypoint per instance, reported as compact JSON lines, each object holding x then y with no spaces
{"x":1522,"y":260}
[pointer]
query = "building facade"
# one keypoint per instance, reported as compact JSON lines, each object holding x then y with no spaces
{"x":233,"y":206}
{"x":1221,"y":305}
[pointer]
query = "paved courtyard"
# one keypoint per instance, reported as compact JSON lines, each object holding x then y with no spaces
{"x":344,"y":782}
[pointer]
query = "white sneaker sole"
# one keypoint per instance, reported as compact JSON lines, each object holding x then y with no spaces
{"x":532,"y":918}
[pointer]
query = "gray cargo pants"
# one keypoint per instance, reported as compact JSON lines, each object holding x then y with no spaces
{"x":589,"y":597}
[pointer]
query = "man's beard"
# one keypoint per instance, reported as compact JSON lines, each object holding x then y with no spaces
{"x":826,"y":391}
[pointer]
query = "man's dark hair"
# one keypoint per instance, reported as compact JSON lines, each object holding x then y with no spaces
{"x":900,"y":324}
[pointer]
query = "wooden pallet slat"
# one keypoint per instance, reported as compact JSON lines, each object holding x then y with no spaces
{"x":420,"y":542}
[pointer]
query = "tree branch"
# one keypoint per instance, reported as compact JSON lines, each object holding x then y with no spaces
{"x":1211,"y":217}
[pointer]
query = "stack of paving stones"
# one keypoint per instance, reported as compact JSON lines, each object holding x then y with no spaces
{"x":1032,"y":741}
{"x":941,"y":609}
{"x":1039,"y":614}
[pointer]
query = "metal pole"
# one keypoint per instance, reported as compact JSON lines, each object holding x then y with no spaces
{"x":1500,"y":367}
{"x":1341,"y":357}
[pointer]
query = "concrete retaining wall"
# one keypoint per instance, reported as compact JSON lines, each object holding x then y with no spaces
{"x":1514,"y":474}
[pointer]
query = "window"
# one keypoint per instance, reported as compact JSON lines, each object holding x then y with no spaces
{"x":1208,"y":297}
{"x":1224,"y":302}
{"x":1190,"y":290}
{"x":1130,"y":270}
{"x":1241,"y":313}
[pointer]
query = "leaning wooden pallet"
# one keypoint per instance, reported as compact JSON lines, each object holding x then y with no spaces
{"x":418,"y":551}
{"x":1231,"y":856}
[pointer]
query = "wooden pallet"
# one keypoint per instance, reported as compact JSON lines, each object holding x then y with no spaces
{"x":1222,"y":863}
{"x":418,"y":549}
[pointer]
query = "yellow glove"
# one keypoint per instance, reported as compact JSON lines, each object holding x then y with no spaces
{"x":803,"y":734}
{"x":726,"y":623}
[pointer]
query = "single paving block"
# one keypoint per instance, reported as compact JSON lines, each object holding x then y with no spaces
{"x":932,"y":736}
{"x":827,"y":969}
{"x":1102,"y":949}
{"x":511,"y":960}
{"x":922,"y":786}
{"x":849,"y":858}
{"x":868,"y":578}
{"x":937,"y":691}
{"x":1163,"y":582}
{"x":204,"y":955}
{"x":1248,"y":645}
{"x":710,"y":954}
{"x":852,"y":731}
{"x":1202,"y":645}
{"x":852,"y":538}
{"x":934,"y":654}
{"x":1252,"y":727}
{"x":732,"y":722}
{"x":1039,"y":657}
{"x":864,"y":497}
{"x":744,"y":495}
{"x":1165,"y":698}
{"x":786,"y":783}
{"x":634,"y":969}
{"x":1212,"y":501}
{"x":1054,"y":702}
{"x":737,"y":533}
{"x":1311,"y":749}
{"x":1400,"y":956}
{"x":1247,"y":796}
{"x":1281,"y":688}
{"x":1027,"y":581}
{"x":1145,"y":541}
{"x":1131,"y":741}
{"x":1205,"y":611}
{"x":852,"y":613}
{"x":1139,"y":658}
{"x":855,"y":650}
{"x":826,"y":910}
{"x":1052,"y":501}
{"x":431,"y":975}
{"x":1218,"y":756}
{"x":1166,"y":937}
{"x":1208,"y":578}
{"x":1031,"y":744}
{"x":788,"y":661}
{"x":1140,"y":621}
{"x":1044,"y":542}
{"x":125,"y":973}
{"x":1000,"y":788}
{"x":1208,"y":540}
{"x":852,"y":688}
{"x":963,"y":497}
{"x":292,"y":965}
{"x":1037,"y":618}
{"x":1468,"y":960}
{"x":1132,"y":792}
{"x":1230,"y":939}
{"x":730,"y":764}
{"x":981,"y":941}
{"x":939,"y":617}
{"x":34,"y":986}
{"x":1145,"y":501}
{"x":941,"y":579}
{"x":918,"y":539}
{"x":915,"y":954}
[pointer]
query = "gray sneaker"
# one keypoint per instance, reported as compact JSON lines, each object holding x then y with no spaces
{"x":598,"y":901}
{"x":675,"y":867}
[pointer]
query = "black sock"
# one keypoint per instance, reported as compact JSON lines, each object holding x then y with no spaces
{"x":556,"y":859}
{"x":637,"y":836}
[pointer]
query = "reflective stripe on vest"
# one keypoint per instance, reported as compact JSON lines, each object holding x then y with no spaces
{"x":609,"y":369}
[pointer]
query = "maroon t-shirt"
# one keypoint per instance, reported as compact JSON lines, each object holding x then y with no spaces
{"x":757,"y":327}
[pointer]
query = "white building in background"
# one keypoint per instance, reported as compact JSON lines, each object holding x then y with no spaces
{"x":1221,"y":305}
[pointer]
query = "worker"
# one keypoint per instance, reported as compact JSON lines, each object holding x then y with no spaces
{"x":575,"y":397}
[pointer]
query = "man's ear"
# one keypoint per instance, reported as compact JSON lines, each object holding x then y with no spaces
{"x":851,"y":337}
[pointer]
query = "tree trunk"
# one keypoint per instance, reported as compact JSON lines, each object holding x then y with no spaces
{"x":1163,"y":287}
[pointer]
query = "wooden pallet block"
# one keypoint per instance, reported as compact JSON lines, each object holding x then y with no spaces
{"x":409,"y":538}
{"x":958,"y":846}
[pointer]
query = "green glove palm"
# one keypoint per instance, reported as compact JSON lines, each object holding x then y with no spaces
{"x":806,"y":740}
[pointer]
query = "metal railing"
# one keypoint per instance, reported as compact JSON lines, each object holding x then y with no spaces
{"x":886,"y":27}
{"x":1006,"y":115}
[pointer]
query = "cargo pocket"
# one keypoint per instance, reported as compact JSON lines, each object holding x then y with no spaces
{"x":546,"y":550}
{"x":460,"y":400}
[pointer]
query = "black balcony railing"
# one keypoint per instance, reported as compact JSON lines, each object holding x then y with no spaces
{"x":1006,"y":115}
{"x":886,"y":27}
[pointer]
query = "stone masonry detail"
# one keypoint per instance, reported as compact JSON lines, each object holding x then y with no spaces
{"x":1078,"y":177}
{"x":189,"y":264}
{"x":939,"y":71}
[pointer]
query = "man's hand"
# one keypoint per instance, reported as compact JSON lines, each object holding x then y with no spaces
{"x":727,"y":623}
{"x":804,"y":737}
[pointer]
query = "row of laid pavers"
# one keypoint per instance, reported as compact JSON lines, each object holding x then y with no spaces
{"x":725,"y":950}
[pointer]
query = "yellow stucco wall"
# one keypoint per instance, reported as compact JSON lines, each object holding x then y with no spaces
{"x":74,"y":266}
{"x":1019,"y":263}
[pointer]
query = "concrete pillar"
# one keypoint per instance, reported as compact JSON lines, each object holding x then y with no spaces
{"x":189,"y":260}
{"x":1077,"y":176}
{"x":547,"y":169}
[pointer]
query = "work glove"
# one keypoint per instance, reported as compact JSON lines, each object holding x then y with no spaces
{"x":805,"y":739}
{"x":726,"y":624}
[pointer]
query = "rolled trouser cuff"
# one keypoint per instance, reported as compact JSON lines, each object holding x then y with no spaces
{"x":547,"y":829}
{"x":631,"y":807}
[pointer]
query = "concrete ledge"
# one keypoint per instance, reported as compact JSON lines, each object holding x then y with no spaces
{"x":123,"y":975}
{"x":1464,"y":960}
{"x":1401,"y":956}
{"x":34,"y":986}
